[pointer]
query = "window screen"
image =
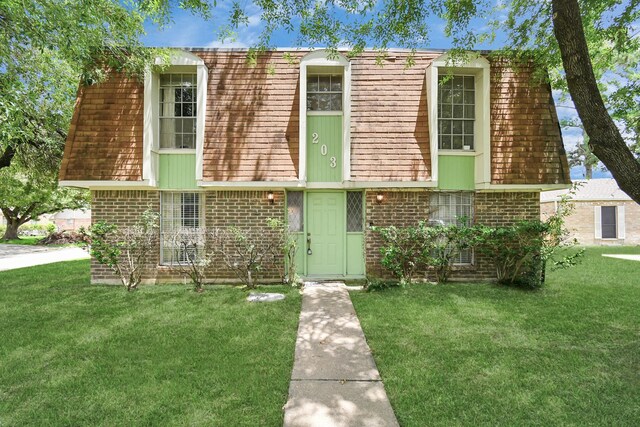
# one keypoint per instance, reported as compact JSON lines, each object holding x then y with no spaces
{"x":608,"y":220}
{"x":354,"y":211}
{"x":456,"y":112}
{"x":295,"y":211}
{"x":178,"y":108}
{"x":324,"y":92}
{"x":451,"y":208}
{"x":179,"y":211}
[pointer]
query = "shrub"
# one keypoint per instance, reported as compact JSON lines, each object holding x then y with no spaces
{"x":377,"y":284}
{"x":405,"y":250}
{"x":191,"y":246}
{"x":521,"y":252}
{"x":448,"y":242}
{"x":124,"y":250}
{"x":246,"y":251}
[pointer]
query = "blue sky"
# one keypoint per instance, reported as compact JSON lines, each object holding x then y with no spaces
{"x":188,"y":30}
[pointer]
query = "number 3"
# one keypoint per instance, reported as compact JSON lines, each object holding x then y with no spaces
{"x":314,"y":138}
{"x":332,"y":162}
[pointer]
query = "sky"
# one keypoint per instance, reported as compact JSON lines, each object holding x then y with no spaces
{"x":188,"y":30}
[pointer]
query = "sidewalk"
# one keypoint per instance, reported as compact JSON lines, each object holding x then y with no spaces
{"x":20,"y":256}
{"x":335,"y":381}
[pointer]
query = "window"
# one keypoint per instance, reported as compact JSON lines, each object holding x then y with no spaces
{"x":295,"y":211}
{"x":456,"y":112}
{"x":451,"y":208}
{"x":354,"y":212}
{"x":179,"y":212}
{"x":324,"y":92}
{"x":608,"y":221}
{"x":178,"y":109}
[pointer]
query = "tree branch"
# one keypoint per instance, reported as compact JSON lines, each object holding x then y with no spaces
{"x":605,"y":139}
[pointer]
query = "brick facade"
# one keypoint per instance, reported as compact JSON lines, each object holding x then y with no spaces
{"x":250,"y":210}
{"x":581,"y":223}
{"x":408,"y":208}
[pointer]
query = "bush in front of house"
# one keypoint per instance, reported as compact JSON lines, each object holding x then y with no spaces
{"x":248,"y":251}
{"x":409,"y":250}
{"x":125,"y":249}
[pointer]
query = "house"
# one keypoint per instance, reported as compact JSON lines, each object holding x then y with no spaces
{"x":332,"y":144}
{"x":603,"y":214}
{"x":72,"y":219}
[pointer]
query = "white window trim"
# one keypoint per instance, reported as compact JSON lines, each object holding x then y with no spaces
{"x":321,"y":58}
{"x":151,"y":136}
{"x":479,"y":67}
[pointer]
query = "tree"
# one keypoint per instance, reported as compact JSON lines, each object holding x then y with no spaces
{"x":24,"y":196}
{"x":46,"y":48}
{"x":558,"y":35}
{"x":582,"y":156}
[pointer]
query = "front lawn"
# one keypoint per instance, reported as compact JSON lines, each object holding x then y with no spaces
{"x":77,"y":354}
{"x":469,"y":354}
{"x":30,"y":241}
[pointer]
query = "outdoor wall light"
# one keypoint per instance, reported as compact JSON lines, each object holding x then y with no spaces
{"x":270,"y":197}
{"x":379,"y":198}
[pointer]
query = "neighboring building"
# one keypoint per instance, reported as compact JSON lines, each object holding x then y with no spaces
{"x":72,"y":220}
{"x":603,"y":215}
{"x":332,"y":144}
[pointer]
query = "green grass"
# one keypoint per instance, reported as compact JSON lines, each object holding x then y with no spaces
{"x":24,"y":240}
{"x":78,"y":354}
{"x":480,"y":354}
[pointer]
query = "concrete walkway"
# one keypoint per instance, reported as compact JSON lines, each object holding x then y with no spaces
{"x":20,"y":256}
{"x":623,"y":256}
{"x":334,"y":381}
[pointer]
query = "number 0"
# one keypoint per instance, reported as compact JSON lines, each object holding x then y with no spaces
{"x":323,"y":149}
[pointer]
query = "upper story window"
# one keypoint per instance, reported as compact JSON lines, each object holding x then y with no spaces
{"x":178,"y":109}
{"x":324,"y":92}
{"x":456,"y":112}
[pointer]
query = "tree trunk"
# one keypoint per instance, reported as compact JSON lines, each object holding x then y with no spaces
{"x":588,"y":170}
{"x":605,"y":139}
{"x":11,"y":233}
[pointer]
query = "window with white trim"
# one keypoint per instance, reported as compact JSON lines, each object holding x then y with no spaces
{"x":456,"y":112}
{"x":608,"y":221}
{"x":324,"y":92}
{"x":178,"y":110}
{"x":452,"y":208}
{"x":179,"y":212}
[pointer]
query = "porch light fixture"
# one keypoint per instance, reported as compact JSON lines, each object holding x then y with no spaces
{"x":379,"y":198}
{"x":270,"y":197}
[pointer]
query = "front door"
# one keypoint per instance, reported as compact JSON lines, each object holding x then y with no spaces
{"x":326,"y":231}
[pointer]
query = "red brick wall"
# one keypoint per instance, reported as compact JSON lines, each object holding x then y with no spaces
{"x":248,"y":210}
{"x":408,"y":208}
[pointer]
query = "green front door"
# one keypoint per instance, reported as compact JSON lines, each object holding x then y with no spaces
{"x":326,"y":233}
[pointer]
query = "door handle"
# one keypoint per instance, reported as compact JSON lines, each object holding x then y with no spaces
{"x":309,"y":251}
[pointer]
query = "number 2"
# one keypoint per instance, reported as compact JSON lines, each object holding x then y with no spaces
{"x":314,"y":138}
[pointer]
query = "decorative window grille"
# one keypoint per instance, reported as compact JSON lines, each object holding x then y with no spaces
{"x":456,"y":112}
{"x":324,"y":92}
{"x":178,"y":109}
{"x":608,"y":220}
{"x":295,"y":211}
{"x":354,"y":212}
{"x":453,"y":208}
{"x":179,"y":212}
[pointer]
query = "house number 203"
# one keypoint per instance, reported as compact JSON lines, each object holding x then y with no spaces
{"x":315,"y":138}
